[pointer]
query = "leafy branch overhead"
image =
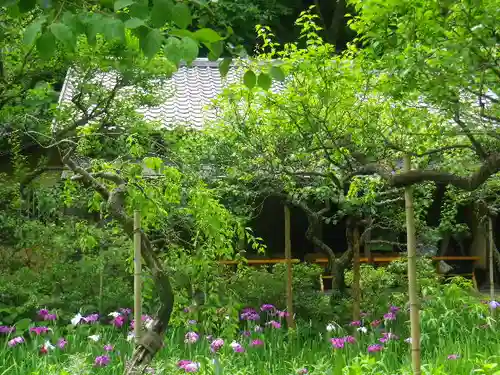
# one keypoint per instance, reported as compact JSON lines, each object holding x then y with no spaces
{"x":161,"y":26}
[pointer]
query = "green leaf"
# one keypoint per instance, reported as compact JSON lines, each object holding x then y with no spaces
{"x":173,"y":50}
{"x":26,"y":5}
{"x":207,"y":35}
{"x":181,"y":33}
{"x":154,"y":163}
{"x":113,"y":29}
{"x":32,"y":31}
{"x":249,"y":79}
{"x":224,"y":66}
{"x":23,"y":324}
{"x":120,"y":4}
{"x":133,"y":23}
{"x":264,"y":81}
{"x":161,"y":12}
{"x":181,"y":15}
{"x":152,"y":43}
{"x":46,"y":45}
{"x":139,"y":10}
{"x":215,"y":50}
{"x":190,"y":49}
{"x":63,"y":33}
{"x":277,"y":73}
{"x":7,"y":3}
{"x":94,"y":25}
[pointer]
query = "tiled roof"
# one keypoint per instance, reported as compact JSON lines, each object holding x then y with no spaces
{"x":190,"y":91}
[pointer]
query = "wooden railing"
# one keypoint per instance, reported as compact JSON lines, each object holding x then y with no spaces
{"x":390,"y":259}
{"x":255,"y":262}
{"x":373,"y":260}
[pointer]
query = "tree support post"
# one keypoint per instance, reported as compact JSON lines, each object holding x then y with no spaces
{"x":289,"y":272}
{"x":137,"y":276}
{"x":356,"y":271}
{"x":412,"y":274}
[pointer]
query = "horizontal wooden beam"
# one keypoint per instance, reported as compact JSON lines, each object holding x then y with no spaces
{"x":390,"y":259}
{"x":257,"y":261}
{"x":325,"y":260}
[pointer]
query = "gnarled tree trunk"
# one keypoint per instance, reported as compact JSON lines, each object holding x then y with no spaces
{"x":151,"y":341}
{"x":336,"y":266}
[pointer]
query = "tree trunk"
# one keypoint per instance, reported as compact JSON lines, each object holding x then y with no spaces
{"x":412,"y":275}
{"x":444,"y":244}
{"x":479,"y":231}
{"x":356,"y":276}
{"x":338,"y":280}
{"x":491,"y":268}
{"x":152,"y":339}
{"x":337,"y":22}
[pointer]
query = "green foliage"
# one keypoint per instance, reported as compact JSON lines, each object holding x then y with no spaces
{"x":383,"y":286}
{"x":49,"y":260}
{"x":256,"y":286}
{"x":60,"y":23}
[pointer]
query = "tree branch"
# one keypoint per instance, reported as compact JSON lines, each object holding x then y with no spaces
{"x":477,"y":146}
{"x":489,"y":167}
{"x":104,"y":175}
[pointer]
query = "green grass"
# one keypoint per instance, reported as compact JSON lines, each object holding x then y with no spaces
{"x":447,"y":328}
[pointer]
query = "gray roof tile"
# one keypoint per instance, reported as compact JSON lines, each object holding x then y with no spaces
{"x":189,"y":93}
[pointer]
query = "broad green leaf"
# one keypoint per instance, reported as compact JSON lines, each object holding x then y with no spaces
{"x":26,"y":5}
{"x":249,"y":79}
{"x":133,"y":23}
{"x":152,"y":43}
{"x":23,"y":324}
{"x":215,"y":50}
{"x":181,"y":15}
{"x":264,"y":81}
{"x":32,"y":31}
{"x":73,"y":22}
{"x":161,"y":12}
{"x":181,"y":33}
{"x":7,"y":3}
{"x":173,"y":50}
{"x":224,"y":66}
{"x":207,"y":35}
{"x":63,"y":33}
{"x":113,"y":28}
{"x":212,"y":56}
{"x":277,"y":73}
{"x":153,"y":163}
{"x":94,"y":27}
{"x":140,"y":9}
{"x":46,"y":45}
{"x":190,"y":49}
{"x":120,"y":4}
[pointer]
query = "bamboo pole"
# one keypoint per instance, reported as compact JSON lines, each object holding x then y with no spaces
{"x":491,"y":265}
{"x":412,"y":274}
{"x":289,"y":278}
{"x":367,"y":239}
{"x":137,"y":276}
{"x":356,"y":273}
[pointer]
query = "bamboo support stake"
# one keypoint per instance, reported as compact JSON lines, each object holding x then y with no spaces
{"x":137,"y":276}
{"x":491,"y":265}
{"x":412,"y":274}
{"x":289,"y":278}
{"x":356,"y":271}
